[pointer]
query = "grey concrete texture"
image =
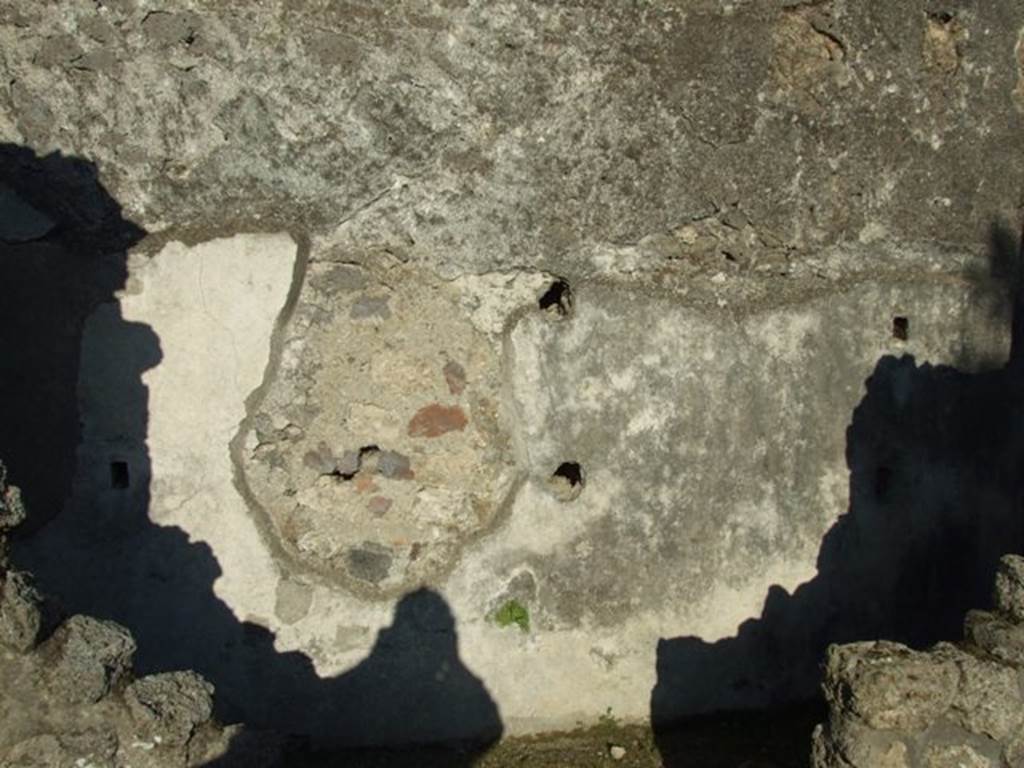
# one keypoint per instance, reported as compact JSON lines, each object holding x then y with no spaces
{"x":892,"y":706}
{"x":529,"y":134}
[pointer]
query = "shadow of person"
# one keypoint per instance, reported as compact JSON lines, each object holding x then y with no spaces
{"x":413,"y":687}
{"x":411,"y":691}
{"x":934,"y":456}
{"x":75,"y":411}
{"x":411,"y":696}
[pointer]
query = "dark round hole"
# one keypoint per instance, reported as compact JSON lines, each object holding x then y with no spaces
{"x":567,"y":481}
{"x":571,"y":471}
{"x":900,"y":328}
{"x":557,"y":298}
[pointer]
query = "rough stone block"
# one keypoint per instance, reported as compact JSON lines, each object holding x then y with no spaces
{"x":988,"y":702}
{"x":850,"y":745}
{"x":1009,"y":587}
{"x":22,"y":612}
{"x":95,"y":746}
{"x":12,"y":510}
{"x":170,"y":705}
{"x":888,"y":686}
{"x":93,"y":656}
{"x":1013,"y":751}
{"x":44,"y":751}
{"x":1001,"y":638}
{"x":955,"y":756}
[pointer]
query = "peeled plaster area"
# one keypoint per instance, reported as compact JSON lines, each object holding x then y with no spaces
{"x":379,"y":449}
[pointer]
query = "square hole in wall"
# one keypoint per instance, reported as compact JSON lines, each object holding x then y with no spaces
{"x":883,"y":482}
{"x":119,"y":478}
{"x":900,"y":328}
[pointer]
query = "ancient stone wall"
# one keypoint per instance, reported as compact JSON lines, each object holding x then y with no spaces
{"x":954,"y":705}
{"x":449,"y":369}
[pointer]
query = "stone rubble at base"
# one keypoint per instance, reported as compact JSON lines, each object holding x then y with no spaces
{"x":956,"y":706}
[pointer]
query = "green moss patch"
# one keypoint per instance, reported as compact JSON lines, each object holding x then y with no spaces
{"x":513,"y":612}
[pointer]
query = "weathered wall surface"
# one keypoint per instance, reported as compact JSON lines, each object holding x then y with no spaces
{"x":476,"y":135}
{"x":894,"y":707}
{"x":663,"y":344}
{"x":713,"y":448}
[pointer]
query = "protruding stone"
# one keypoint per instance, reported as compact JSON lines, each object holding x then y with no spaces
{"x":996,"y":636}
{"x":170,"y":705}
{"x":12,"y":511}
{"x":888,"y":686}
{"x":988,"y":702}
{"x":1009,"y":588}
{"x":92,"y":657}
{"x":22,"y":612}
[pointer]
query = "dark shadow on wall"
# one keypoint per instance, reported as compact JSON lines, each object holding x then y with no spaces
{"x":411,"y":690}
{"x":934,"y":455}
{"x":66,"y":350}
{"x":62,"y":253}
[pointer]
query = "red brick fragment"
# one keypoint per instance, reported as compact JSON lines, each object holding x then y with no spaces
{"x":435,"y":420}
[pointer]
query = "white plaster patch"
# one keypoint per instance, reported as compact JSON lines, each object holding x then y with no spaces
{"x":213,"y":307}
